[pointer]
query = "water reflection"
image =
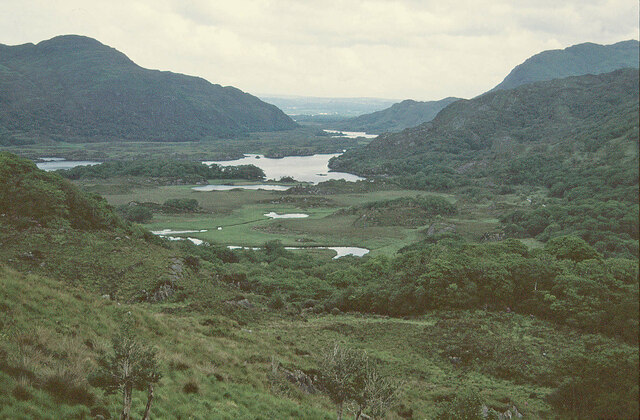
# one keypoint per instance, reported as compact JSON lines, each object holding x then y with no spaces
{"x":312,"y":169}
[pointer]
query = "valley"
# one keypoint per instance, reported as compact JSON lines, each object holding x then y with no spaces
{"x":476,"y":260}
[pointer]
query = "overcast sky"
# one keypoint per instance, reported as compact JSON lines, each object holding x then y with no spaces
{"x":419,"y":49}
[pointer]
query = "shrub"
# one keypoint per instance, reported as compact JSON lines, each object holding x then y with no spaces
{"x":135,"y":213}
{"x":177,"y":205}
{"x":65,"y":389}
{"x":276,"y":302}
{"x":466,"y":405}
{"x":21,"y":393}
{"x":191,"y":387}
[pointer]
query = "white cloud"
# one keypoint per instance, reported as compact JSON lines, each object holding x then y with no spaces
{"x":422,"y":49}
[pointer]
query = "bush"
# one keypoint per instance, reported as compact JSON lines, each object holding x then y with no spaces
{"x":64,"y":389}
{"x":135,"y":213}
{"x":177,"y":205}
{"x":466,"y":405}
{"x":603,"y":386}
{"x":571,"y":248}
{"x":191,"y":387}
{"x":21,"y":393}
{"x":276,"y":302}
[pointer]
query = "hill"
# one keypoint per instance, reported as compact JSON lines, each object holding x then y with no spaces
{"x":584,"y":113}
{"x":572,"y":142}
{"x":577,"y":60}
{"x":399,"y":116}
{"x":73,"y":88}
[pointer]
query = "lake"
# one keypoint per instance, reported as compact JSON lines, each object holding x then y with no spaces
{"x":53,"y":163}
{"x":350,"y":134}
{"x":312,"y":169}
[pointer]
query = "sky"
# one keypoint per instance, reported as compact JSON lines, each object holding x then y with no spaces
{"x":417,"y":49}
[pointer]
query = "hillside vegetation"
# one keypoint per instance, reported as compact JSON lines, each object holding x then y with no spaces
{"x":399,"y":116}
{"x":577,"y":60}
{"x":576,"y":138}
{"x":75,"y":89}
{"x":241,"y":334}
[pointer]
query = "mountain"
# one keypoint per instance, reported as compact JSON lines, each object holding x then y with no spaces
{"x":399,"y":116}
{"x":570,"y":146}
{"x":74,"y":88}
{"x":577,"y":60}
{"x":576,"y":113}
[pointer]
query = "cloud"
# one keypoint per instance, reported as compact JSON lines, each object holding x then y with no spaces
{"x":421,"y":49}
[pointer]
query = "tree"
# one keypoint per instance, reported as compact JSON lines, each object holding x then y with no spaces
{"x":132,"y":365}
{"x":571,"y":248}
{"x":350,"y":376}
{"x":375,"y":394}
{"x":340,"y":370}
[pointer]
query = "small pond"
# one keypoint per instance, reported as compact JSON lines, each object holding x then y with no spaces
{"x":275,"y":215}
{"x":53,"y":163}
{"x":242,"y":187}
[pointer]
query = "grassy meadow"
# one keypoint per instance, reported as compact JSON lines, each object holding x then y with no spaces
{"x":240,"y":214}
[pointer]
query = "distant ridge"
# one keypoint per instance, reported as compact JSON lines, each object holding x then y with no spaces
{"x":577,"y":60}
{"x":557,"y":116}
{"x":73,"y":88}
{"x":405,"y":114}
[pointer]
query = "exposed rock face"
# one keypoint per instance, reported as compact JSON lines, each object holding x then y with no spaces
{"x":511,"y":413}
{"x":295,"y":376}
{"x":492,"y":237}
{"x":164,"y":289}
{"x":240,"y":302}
{"x":439,"y":227}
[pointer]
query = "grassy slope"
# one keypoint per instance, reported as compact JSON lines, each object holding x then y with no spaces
{"x":49,"y":328}
{"x":56,"y":330}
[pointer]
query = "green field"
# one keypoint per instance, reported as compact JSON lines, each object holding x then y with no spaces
{"x":240,"y":214}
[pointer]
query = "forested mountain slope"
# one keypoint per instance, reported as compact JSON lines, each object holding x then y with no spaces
{"x":73,"y":88}
{"x":577,"y":60}
{"x":554,"y":118}
{"x":575,"y":138}
{"x":399,"y":116}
